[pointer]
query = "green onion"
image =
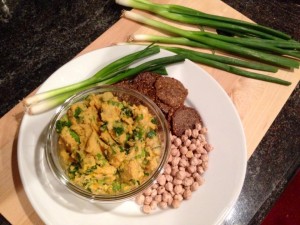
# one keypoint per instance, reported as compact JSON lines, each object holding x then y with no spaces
{"x":248,"y":43}
{"x":168,"y":40}
{"x":99,"y":76}
{"x":147,"y":66}
{"x":199,"y":36}
{"x":278,"y":43}
{"x":223,"y":59}
{"x":57,"y":98}
{"x":192,"y":16}
{"x":198,"y":57}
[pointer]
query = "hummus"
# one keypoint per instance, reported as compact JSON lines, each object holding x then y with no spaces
{"x":108,"y":146}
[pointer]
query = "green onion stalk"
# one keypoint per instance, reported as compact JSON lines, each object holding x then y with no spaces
{"x":199,"y":36}
{"x":253,"y":44}
{"x":210,"y":61}
{"x":191,"y":16}
{"x":108,"y":75}
{"x":99,"y":76}
{"x":187,"y":42}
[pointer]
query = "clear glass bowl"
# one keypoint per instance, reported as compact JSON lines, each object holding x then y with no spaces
{"x":130,"y":96}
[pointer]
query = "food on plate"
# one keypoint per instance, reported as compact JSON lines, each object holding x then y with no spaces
{"x":107,"y":145}
{"x":183,"y":174}
{"x":169,"y":95}
{"x":184,"y":118}
{"x":170,"y":91}
{"x":188,"y":159}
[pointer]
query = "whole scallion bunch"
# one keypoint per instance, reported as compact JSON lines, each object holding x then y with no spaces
{"x":261,"y":47}
{"x":110,"y":74}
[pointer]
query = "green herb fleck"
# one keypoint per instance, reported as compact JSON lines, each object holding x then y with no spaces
{"x":60,"y":124}
{"x":116,"y":186}
{"x":75,"y":136}
{"x":78,"y":110}
{"x":127,"y":111}
{"x":119,"y":130}
{"x":151,"y":134}
{"x":91,"y":169}
{"x":154,"y":121}
{"x":103,"y":127}
{"x":146,"y":174}
{"x":140,"y":117}
{"x":138,"y":134}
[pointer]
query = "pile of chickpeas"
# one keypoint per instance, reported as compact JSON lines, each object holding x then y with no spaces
{"x":182,"y":175}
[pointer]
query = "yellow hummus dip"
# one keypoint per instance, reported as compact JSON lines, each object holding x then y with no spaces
{"x":108,"y":146}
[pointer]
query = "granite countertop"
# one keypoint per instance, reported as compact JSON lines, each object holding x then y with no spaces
{"x":37,"y":37}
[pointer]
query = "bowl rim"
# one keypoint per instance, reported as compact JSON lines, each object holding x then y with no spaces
{"x":80,"y":192}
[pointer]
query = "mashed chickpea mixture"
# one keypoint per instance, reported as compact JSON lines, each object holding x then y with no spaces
{"x":108,"y":146}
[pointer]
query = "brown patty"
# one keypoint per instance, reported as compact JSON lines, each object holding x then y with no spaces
{"x":145,"y":84}
{"x":170,"y":91}
{"x":184,"y":118}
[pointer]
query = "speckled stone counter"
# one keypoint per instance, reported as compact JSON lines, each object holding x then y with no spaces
{"x":37,"y":37}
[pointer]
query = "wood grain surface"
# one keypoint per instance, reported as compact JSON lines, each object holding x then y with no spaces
{"x":257,"y":102}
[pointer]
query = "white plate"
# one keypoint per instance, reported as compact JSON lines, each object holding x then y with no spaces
{"x":208,"y":205}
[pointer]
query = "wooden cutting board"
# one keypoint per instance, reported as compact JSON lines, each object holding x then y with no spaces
{"x":257,"y":102}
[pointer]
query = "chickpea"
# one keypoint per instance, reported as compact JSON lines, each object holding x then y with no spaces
{"x":166,"y":196}
{"x":177,"y":142}
{"x":175,"y":161}
{"x":183,"y":163}
{"x":187,"y":142}
{"x":192,"y":147}
{"x":153,"y":193}
{"x":198,"y":126}
{"x":188,"y":181}
{"x":147,"y":191}
{"x":195,"y":133}
{"x":178,"y":197}
{"x":175,"y":203}
{"x":177,"y":181}
{"x":199,"y":179}
{"x":161,"y":179}
{"x":187,"y":194}
{"x":188,"y":132}
{"x":163,"y":205}
{"x":202,"y":137}
{"x":181,"y":168}
{"x":167,"y":169}
{"x":146,"y":209}
{"x":153,"y":205}
{"x":208,"y":147}
{"x":154,"y":186}
{"x":148,"y":200}
{"x":161,"y":190}
{"x":205,"y":165}
{"x":169,"y":178}
{"x":180,"y":175}
{"x":200,"y":169}
{"x":194,"y":161}
{"x":198,"y":142}
{"x":158,"y":198}
{"x":184,"y":138}
{"x":192,"y":169}
{"x":178,"y":189}
{"x":140,"y":199}
{"x":174,"y":171}
{"x":204,"y":157}
{"x":203,"y":130}
{"x":194,"y":186}
{"x":169,"y":186}
{"x":189,"y":154}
